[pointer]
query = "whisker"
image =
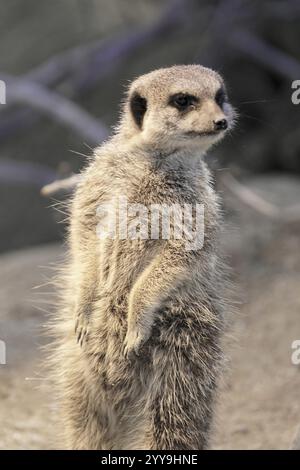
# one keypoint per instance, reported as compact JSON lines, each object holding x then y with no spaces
{"x":258,"y":101}
{"x":88,"y":146}
{"x":79,"y":153}
{"x":254,"y":118}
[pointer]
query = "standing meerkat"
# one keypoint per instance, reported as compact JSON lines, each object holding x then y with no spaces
{"x":139,"y":329}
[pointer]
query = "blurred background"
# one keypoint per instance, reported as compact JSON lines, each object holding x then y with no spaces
{"x":66,"y":64}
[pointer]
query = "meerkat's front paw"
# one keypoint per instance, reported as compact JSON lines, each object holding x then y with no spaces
{"x":134,"y":340}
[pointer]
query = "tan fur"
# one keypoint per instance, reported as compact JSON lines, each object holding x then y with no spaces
{"x":138,"y":353}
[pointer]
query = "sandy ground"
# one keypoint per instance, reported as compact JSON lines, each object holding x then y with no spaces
{"x":259,"y":405}
{"x":25,"y":400}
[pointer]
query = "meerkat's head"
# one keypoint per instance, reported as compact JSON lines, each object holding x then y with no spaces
{"x":177,"y":107}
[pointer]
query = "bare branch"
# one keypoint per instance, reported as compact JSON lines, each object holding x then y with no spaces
{"x":85,"y":65}
{"x":64,"y":185}
{"x":56,"y":106}
{"x":254,"y":201}
{"x":268,"y":55}
{"x":119,"y":49}
{"x":50,"y":73}
{"x":60,"y":66}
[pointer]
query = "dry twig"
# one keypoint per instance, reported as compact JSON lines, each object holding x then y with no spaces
{"x":269,"y":56}
{"x":23,"y":91}
{"x":84,"y":65}
{"x":259,"y":204}
{"x":64,"y":185}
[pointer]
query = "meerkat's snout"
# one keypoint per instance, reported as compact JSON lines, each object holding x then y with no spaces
{"x":221,"y":124}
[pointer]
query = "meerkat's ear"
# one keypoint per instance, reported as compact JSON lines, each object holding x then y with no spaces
{"x":138,"y":107}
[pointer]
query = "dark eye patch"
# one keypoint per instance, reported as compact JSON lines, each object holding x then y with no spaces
{"x":182,"y":101}
{"x":138,"y":106}
{"x":221,"y":97}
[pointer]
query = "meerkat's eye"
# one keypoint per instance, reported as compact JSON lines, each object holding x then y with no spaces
{"x":182,"y":101}
{"x":221,"y":97}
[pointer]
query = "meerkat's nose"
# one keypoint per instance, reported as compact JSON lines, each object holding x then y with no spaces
{"x":221,"y":124}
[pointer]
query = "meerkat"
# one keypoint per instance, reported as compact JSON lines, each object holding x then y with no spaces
{"x":140,"y":324}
